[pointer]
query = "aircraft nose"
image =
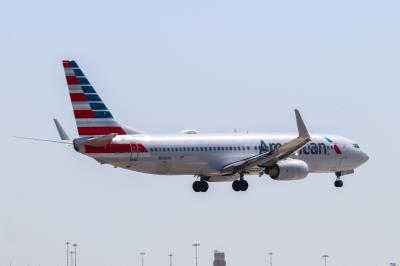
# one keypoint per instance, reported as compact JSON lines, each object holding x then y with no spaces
{"x":363,"y":157}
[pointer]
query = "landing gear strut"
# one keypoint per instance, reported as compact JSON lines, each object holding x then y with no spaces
{"x":200,"y":186}
{"x":240,"y":184}
{"x":338,"y":181}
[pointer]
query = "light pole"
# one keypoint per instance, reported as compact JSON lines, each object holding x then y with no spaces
{"x":142,"y":255}
{"x":170,"y":259}
{"x":325,"y":257}
{"x":67,"y":243}
{"x":196,"y":245}
{"x":72,"y":257}
{"x":75,"y":245}
{"x":270,"y":258}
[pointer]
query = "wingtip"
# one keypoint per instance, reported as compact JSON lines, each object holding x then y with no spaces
{"x":303,"y":132}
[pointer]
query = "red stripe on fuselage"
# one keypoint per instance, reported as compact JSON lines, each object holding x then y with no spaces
{"x":90,"y":131}
{"x":78,"y":97}
{"x":116,"y":148}
{"x":84,"y":114}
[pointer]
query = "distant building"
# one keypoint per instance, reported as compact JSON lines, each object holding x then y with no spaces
{"x":219,"y":258}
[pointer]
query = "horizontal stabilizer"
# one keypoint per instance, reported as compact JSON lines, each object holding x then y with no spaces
{"x":68,"y":142}
{"x":61,"y":131}
{"x":100,"y":141}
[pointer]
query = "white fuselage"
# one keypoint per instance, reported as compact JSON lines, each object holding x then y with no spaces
{"x":206,"y":154}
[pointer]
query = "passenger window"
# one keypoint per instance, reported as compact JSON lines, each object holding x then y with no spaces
{"x":201,"y":148}
{"x":255,"y":147}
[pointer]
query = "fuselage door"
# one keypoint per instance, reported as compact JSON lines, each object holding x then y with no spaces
{"x":134,"y":152}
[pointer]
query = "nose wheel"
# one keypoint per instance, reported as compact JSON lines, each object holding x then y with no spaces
{"x":338,"y":182}
{"x":200,"y":186}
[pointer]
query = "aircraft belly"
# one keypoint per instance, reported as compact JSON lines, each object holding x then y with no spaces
{"x":205,"y":165}
{"x":319,"y":164}
{"x":170,"y":165}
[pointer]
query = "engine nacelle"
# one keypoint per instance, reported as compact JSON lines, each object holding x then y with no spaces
{"x":288,"y":170}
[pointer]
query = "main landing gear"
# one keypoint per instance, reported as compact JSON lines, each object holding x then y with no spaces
{"x":240,"y":184}
{"x":338,"y":182}
{"x":200,"y":186}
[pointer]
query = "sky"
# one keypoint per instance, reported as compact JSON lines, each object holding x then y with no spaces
{"x":166,"y":66}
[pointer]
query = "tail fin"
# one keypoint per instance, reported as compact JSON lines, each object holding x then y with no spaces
{"x":91,"y":114}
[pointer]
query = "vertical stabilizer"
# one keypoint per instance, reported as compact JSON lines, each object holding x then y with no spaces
{"x":91,"y":114}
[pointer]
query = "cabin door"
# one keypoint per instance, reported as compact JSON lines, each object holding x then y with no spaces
{"x":134,"y":152}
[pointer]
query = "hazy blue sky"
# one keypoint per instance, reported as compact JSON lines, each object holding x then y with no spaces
{"x":165,"y":66}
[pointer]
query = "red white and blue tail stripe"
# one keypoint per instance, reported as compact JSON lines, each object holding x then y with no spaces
{"x":92,"y":116}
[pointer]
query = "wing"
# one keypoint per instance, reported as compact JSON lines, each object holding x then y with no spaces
{"x":270,"y":158}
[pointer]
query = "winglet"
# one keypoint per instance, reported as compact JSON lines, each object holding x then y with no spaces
{"x":303,"y":133}
{"x":60,"y":130}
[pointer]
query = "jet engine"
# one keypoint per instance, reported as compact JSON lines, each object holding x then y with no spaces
{"x":288,"y":170}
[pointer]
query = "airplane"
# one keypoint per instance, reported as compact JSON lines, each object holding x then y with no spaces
{"x":207,"y":157}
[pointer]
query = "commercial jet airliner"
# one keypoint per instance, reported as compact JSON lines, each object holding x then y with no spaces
{"x":207,"y":157}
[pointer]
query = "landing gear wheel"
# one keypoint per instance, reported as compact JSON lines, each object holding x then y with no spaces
{"x":338,"y":183}
{"x":244,"y":185}
{"x":204,"y":186}
{"x":200,"y":186}
{"x":240,"y":185}
{"x":196,"y":186}
{"x":236,"y":185}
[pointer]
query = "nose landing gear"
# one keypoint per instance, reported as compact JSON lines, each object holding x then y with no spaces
{"x":338,"y":182}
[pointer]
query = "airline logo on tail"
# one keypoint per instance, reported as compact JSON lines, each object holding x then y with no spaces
{"x":91,"y":114}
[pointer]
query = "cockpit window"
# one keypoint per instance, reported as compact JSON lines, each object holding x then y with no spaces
{"x":356,"y":146}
